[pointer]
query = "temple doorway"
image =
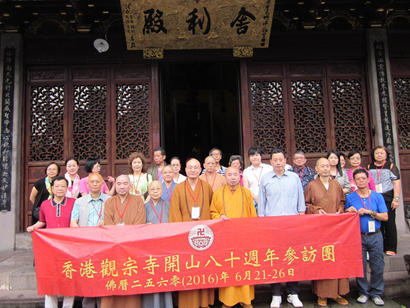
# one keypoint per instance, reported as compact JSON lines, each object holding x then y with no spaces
{"x":200,"y":109}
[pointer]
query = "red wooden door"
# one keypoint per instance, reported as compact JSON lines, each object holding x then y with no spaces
{"x":85,"y":112}
{"x":312,"y":107}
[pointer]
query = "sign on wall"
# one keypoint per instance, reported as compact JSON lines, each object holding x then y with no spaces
{"x":198,"y":24}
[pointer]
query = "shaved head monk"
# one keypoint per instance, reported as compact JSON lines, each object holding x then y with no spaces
{"x":325,"y":196}
{"x":234,"y":201}
{"x":191,"y":202}
{"x":123,"y":209}
{"x":212,"y":177}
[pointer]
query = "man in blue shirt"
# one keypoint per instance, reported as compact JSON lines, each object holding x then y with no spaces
{"x":372,"y":210}
{"x":281,"y":193}
{"x":88,"y":211}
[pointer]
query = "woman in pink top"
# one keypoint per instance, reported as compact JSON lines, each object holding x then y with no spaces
{"x":355,"y":160}
{"x":93,"y":166}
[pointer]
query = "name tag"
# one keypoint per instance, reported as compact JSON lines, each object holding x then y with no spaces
{"x":195,"y":212}
{"x":379,"y":188}
{"x":372,"y":226}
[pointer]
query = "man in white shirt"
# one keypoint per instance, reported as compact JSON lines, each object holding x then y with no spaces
{"x":256,"y":171}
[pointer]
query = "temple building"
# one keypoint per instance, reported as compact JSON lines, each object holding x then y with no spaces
{"x":87,"y":78}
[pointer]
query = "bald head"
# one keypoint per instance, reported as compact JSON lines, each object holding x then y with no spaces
{"x":320,"y":160}
{"x":209,"y":158}
{"x":232,"y":176}
{"x":193,"y":168}
{"x":95,"y":182}
{"x":322,"y":167}
{"x":210,"y":164}
{"x":155,"y":190}
{"x":122,"y":185}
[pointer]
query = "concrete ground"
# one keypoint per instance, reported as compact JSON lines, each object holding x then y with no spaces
{"x":308,"y":303}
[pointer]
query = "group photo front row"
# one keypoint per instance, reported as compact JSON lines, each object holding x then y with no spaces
{"x":161,"y":194}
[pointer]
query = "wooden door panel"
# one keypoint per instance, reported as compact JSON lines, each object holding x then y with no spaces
{"x":103,"y":112}
{"x":311,"y":107}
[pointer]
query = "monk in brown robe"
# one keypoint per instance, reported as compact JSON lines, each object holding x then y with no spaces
{"x":123,"y":209}
{"x":213,"y":178}
{"x":323,"y":196}
{"x":191,"y":202}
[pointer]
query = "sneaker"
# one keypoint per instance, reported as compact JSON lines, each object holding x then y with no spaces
{"x":294,"y":300}
{"x":377,"y":300}
{"x":362,"y":299}
{"x":390,"y":253}
{"x":276,"y":301}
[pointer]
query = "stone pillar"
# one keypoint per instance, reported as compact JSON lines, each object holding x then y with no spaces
{"x":382,"y":104}
{"x":11,"y":95}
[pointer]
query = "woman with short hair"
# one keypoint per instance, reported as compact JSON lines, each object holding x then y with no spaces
{"x":387,"y":178}
{"x":355,"y":160}
{"x":92,"y":165}
{"x":236,"y":161}
{"x":42,"y":190}
{"x":176,"y":167}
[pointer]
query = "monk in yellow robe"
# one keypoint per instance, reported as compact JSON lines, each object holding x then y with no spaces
{"x":213,"y":178}
{"x":190,"y":202}
{"x":234,"y":201}
{"x":323,"y":196}
{"x":123,"y":209}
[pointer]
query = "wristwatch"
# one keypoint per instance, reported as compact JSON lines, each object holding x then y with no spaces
{"x":396,"y":198}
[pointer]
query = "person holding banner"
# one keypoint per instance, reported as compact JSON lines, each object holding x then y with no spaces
{"x":157,"y":211}
{"x":325,"y":196}
{"x":281,"y":193}
{"x":123,"y":209}
{"x":88,"y":211}
{"x":191,"y":202}
{"x":56,"y":213}
{"x":234,"y":201}
{"x":372,"y":209}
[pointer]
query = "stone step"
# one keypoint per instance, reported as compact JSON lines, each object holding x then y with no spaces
{"x":23,"y":241}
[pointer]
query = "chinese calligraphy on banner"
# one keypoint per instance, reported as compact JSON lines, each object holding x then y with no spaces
{"x":180,"y":24}
{"x":121,"y":260}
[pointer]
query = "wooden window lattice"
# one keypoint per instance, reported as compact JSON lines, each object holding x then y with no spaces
{"x":132,"y":120}
{"x":350,"y":130}
{"x":268,"y":115}
{"x":309,"y":115}
{"x":402,"y":94}
{"x":47,"y":123}
{"x":89,"y":122}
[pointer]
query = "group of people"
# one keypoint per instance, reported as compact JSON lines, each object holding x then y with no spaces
{"x":161,"y":194}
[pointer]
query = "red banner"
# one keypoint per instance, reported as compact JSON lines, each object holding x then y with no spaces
{"x":121,"y":260}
